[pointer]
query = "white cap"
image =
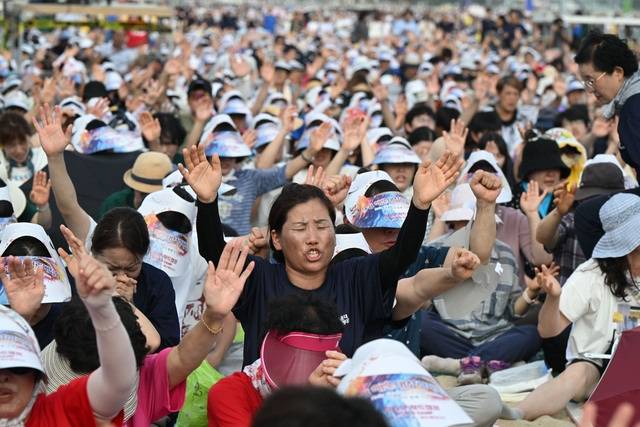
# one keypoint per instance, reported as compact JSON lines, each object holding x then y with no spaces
{"x":56,"y":282}
{"x":398,"y":150}
{"x":17,"y":99}
{"x":74,"y":104}
{"x":374,"y":135}
{"x":475,"y":157}
{"x":18,"y":343}
{"x":168,"y":249}
{"x":112,"y":80}
{"x":462,"y":206}
{"x":351,"y":241}
{"x":10,"y":192}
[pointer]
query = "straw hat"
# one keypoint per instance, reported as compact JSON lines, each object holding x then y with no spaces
{"x":148,"y":171}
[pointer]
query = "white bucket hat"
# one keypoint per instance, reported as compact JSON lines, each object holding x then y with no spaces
{"x":620,"y":217}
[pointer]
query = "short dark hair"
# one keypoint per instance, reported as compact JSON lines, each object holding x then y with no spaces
{"x":316,"y":407}
{"x":421,"y":134}
{"x":121,"y":228}
{"x":576,"y":113}
{"x":419,"y":109}
{"x":485,"y":121}
{"x":172,"y":130}
{"x":303,"y":313}
{"x":510,"y":81}
{"x":293,"y":195}
{"x":26,"y":246}
{"x":13,"y":126}
{"x":606,"y":52}
{"x":444,"y":117}
{"x":76,"y":338}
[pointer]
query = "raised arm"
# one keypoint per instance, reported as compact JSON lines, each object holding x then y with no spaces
{"x":547,"y":232}
{"x":205,"y":178}
{"x":551,"y":321}
{"x":39,"y":196}
{"x":318,"y":137}
{"x":54,"y":141}
{"x":413,"y":293}
{"x":110,"y":385}
{"x":486,"y":187}
{"x":221,"y":292}
{"x":529,"y":202}
{"x":355,"y":131}
{"x":268,"y":157}
{"x":429,"y":182}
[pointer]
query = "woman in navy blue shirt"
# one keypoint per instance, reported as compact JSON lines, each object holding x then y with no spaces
{"x":301,"y":224}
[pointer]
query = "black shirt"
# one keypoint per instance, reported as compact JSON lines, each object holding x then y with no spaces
{"x":360,"y":287}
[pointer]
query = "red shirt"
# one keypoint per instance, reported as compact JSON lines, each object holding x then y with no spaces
{"x":233,"y":401}
{"x":66,"y":407}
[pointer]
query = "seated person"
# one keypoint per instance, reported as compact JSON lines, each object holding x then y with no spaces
{"x":589,"y":301}
{"x":484,"y":340}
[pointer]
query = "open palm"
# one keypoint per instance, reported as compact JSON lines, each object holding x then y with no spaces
{"x":432,"y":179}
{"x":203,"y":177}
{"x":49,"y":129}
{"x":225,"y":283}
{"x":41,"y":189}
{"x":23,"y":284}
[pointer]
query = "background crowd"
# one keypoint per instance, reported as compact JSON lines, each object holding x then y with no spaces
{"x":200,"y":227}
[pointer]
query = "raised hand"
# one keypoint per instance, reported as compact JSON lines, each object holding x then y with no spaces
{"x":485,"y":186}
{"x":203,"y":109}
{"x":40,"y":190}
{"x":100,"y":108}
{"x":150,"y":127}
{"x":249,"y":138}
{"x":23,"y":284}
{"x":203,"y":176}
{"x":258,"y":242}
{"x":355,"y":131}
{"x":432,"y":179}
{"x":319,"y":136}
{"x":322,"y":376}
{"x":52,"y":139}
{"x":225,"y":283}
{"x":546,"y":280}
{"x":441,"y":204}
{"x":563,"y":198}
{"x":316,"y":179}
{"x":380,"y":91}
{"x":289,"y":116}
{"x":267,"y":72}
{"x":622,"y":417}
{"x":336,"y":188}
{"x":464,"y":264}
{"x":77,"y":250}
{"x":530,"y":200}
{"x":456,"y":137}
{"x":239,"y":66}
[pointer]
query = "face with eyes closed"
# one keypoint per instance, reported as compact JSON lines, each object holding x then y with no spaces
{"x":307,"y":239}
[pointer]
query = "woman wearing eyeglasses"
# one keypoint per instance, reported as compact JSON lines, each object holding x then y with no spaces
{"x":609,"y":70}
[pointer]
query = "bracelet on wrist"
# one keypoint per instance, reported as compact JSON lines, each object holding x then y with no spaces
{"x":306,"y":158}
{"x":213,"y":331}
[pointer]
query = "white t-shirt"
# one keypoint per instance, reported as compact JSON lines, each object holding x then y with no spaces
{"x":22,"y":174}
{"x":589,"y":304}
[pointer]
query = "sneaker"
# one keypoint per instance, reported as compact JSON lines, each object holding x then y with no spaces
{"x":470,"y":371}
{"x":441,"y":365}
{"x":495,"y":366}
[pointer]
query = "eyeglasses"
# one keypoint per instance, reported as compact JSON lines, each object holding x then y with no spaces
{"x":590,"y":84}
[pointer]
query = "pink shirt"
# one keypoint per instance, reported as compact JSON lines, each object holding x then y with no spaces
{"x":155,"y":400}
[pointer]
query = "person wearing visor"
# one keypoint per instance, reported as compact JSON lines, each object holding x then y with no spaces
{"x":398,"y":160}
{"x":92,"y":399}
{"x":121,"y":238}
{"x":301,"y":224}
{"x":222,"y":139}
{"x":300,"y":347}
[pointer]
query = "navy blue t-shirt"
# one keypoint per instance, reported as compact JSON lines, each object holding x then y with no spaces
{"x":154,"y":297}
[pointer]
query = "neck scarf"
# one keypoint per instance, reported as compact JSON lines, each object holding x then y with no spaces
{"x":14,"y":164}
{"x":630,"y":87}
{"x":21,"y":421}
{"x":256,"y":374}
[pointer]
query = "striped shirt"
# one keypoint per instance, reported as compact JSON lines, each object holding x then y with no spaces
{"x":496,"y":313}
{"x":235,"y":210}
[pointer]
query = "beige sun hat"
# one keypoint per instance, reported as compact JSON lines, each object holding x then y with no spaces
{"x":148,"y":171}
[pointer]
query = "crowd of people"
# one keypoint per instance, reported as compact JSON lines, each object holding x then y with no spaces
{"x":240,"y":205}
